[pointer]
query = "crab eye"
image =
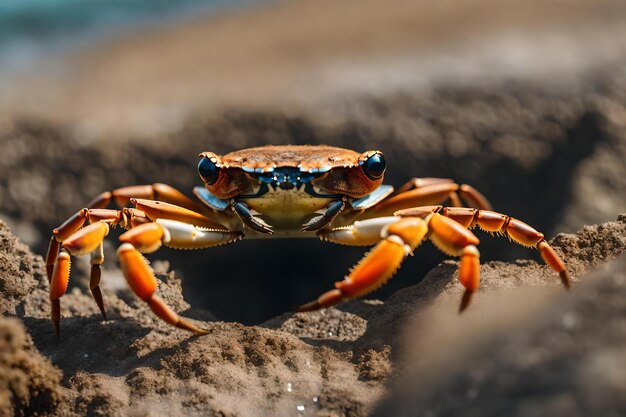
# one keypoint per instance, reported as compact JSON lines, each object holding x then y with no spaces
{"x":208,"y":170}
{"x":374,"y":166}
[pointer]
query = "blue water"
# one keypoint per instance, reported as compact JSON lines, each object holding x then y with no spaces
{"x":34,"y":29}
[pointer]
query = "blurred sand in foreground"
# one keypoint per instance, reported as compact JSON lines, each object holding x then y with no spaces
{"x":307,"y":51}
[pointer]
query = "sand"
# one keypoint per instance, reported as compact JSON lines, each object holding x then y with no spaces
{"x":330,"y":363}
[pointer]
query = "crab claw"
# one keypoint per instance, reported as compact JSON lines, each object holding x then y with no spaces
{"x":316,"y":223}
{"x":254,"y":223}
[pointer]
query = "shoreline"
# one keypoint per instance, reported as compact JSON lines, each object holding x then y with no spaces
{"x":306,"y":53}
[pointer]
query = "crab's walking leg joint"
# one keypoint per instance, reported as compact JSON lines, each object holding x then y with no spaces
{"x":398,"y":237}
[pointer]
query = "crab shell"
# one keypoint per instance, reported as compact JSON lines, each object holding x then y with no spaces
{"x":341,"y":169}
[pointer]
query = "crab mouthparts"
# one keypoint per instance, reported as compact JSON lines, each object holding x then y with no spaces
{"x":286,"y":178}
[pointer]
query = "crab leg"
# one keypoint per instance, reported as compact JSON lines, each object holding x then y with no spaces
{"x":74,"y":224}
{"x":398,"y":238}
{"x":493,"y":222}
{"x":161,"y":210}
{"x":426,"y":191}
{"x":81,"y":242}
{"x":469,"y":193}
{"x":190,"y":229}
{"x":74,"y":239}
{"x":360,"y":233}
{"x":162,"y":192}
{"x":148,"y":238}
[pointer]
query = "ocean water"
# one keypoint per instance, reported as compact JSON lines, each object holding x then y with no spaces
{"x":32,"y":30}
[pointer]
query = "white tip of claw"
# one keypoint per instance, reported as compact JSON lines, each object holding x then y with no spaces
{"x":63,"y":255}
{"x":396,"y":239}
{"x":471,"y":250}
{"x":125,"y":247}
{"x":166,"y":235}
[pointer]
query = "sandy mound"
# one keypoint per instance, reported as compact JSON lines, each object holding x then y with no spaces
{"x":330,"y":363}
{"x":524,"y":353}
{"x":29,"y":384}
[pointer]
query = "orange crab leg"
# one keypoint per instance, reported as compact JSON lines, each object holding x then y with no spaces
{"x":399,"y":239}
{"x":156,"y":191}
{"x":452,"y":238}
{"x":378,"y":265}
{"x":148,"y":238}
{"x":469,"y":193}
{"x":72,"y":238}
{"x":58,"y":285}
{"x":51,"y":256}
{"x":525,"y":235}
{"x":97,"y":258}
{"x":425,"y":191}
{"x":136,"y":217}
{"x":83,"y":241}
{"x":72,"y":225}
{"x":87,"y":239}
{"x":141,"y":280}
{"x":160,"y":210}
{"x":491,"y":221}
{"x":414,"y":183}
{"x":430,"y":194}
{"x":115,"y":217}
{"x":474,"y":197}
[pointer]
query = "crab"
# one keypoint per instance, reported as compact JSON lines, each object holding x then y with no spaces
{"x":289,"y":191}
